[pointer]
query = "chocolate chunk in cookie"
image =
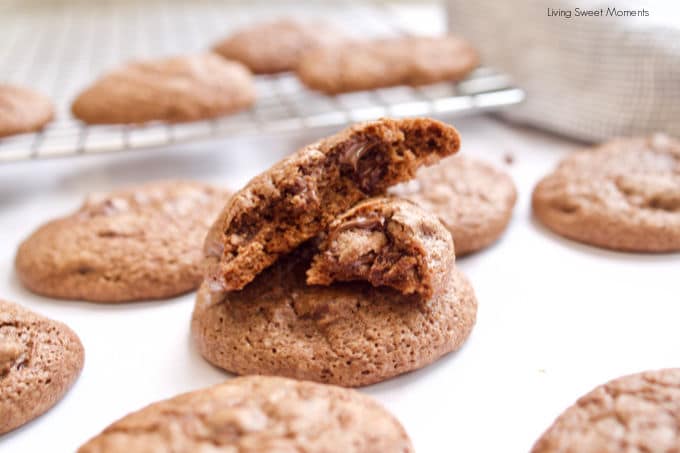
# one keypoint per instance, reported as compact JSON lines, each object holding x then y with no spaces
{"x":277,"y":46}
{"x":40,"y":359}
{"x":386,"y":242}
{"x":639,"y":413}
{"x":473,"y":200}
{"x":138,"y":243}
{"x":185,"y":88}
{"x":23,"y":110}
{"x":622,"y":195}
{"x":257,"y":414}
{"x":365,"y":65}
{"x":297,"y":198}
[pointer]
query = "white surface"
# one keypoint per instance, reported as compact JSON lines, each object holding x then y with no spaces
{"x":555,"y":318}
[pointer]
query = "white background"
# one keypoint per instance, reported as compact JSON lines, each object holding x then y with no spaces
{"x":555,"y":317}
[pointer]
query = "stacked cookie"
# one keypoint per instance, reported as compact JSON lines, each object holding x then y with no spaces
{"x":311,"y":276}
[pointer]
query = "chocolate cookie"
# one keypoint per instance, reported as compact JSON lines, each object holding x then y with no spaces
{"x":39,"y":361}
{"x":349,"y":334}
{"x":23,"y":110}
{"x":639,"y":413}
{"x":473,"y":199}
{"x":139,"y":243}
{"x":386,"y":242}
{"x":622,"y":195}
{"x":186,"y":88}
{"x":297,"y":198}
{"x":277,"y":46}
{"x":257,"y":414}
{"x":387,"y":62}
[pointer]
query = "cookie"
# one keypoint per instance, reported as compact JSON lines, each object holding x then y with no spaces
{"x":23,"y":110}
{"x":634,"y":414}
{"x":185,"y":88}
{"x":139,"y":243}
{"x":473,"y":199}
{"x":40,"y":359}
{"x":622,"y":195}
{"x":387,"y":62}
{"x":349,"y":334}
{"x":386,"y":242}
{"x":257,"y":414}
{"x":297,"y":198}
{"x":277,"y":46}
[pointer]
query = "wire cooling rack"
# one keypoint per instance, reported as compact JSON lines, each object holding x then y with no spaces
{"x":59,"y":47}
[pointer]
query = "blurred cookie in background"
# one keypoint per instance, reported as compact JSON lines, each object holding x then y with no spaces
{"x":175,"y":89}
{"x":473,"y":199}
{"x":277,"y":46}
{"x":23,"y":110}
{"x":365,"y":65}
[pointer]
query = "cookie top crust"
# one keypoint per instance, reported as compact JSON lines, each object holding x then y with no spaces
{"x":23,"y":110}
{"x":637,"y":414}
{"x":366,"y":65}
{"x":350,"y":334}
{"x":276,"y":46}
{"x":473,"y":199}
{"x":258,"y":414}
{"x":39,"y":361}
{"x":175,"y":89}
{"x":143,"y":242}
{"x":386,"y":242}
{"x":297,"y":198}
{"x":622,"y":195}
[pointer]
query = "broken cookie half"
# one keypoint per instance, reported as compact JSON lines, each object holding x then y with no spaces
{"x":297,"y":198}
{"x":386,"y":242}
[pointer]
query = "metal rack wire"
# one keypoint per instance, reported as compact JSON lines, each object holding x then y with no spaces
{"x":60,"y":50}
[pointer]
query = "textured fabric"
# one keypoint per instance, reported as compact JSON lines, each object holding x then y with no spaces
{"x":587,"y":77}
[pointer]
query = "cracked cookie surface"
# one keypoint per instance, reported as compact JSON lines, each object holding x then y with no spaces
{"x":39,"y":361}
{"x":622,"y":195}
{"x":175,"y":89}
{"x":23,"y":110}
{"x":138,"y":243}
{"x":639,"y":413}
{"x":473,"y":199}
{"x":277,"y":46}
{"x":297,"y":198}
{"x":365,"y":65}
{"x":258,"y":414}
{"x":386,"y":242}
{"x":349,"y":334}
